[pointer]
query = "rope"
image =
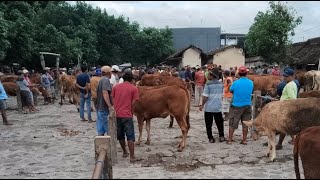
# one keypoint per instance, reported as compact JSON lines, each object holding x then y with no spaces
{"x":100,"y":162}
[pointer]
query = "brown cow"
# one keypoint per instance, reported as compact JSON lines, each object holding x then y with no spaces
{"x":9,"y":78}
{"x":307,"y":146}
{"x":68,"y":87}
{"x":300,"y":76}
{"x":10,"y":88}
{"x":312,"y":93}
{"x":94,"y":81}
{"x":162,"y":101}
{"x":266,"y":84}
{"x":157,"y":80}
{"x":286,"y":117}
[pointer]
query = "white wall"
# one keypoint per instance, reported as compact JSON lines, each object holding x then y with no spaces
{"x":191,"y":57}
{"x":229,"y":58}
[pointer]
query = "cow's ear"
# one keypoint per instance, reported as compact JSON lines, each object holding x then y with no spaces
{"x":248,"y":123}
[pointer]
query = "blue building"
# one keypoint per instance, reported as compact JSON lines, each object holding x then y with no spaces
{"x":206,"y":39}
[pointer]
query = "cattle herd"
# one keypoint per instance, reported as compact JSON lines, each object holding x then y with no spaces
{"x":162,"y":95}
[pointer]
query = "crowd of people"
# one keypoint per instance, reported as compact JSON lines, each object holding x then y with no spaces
{"x":221,"y":94}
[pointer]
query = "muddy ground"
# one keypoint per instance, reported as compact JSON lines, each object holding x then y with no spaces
{"x":53,"y":143}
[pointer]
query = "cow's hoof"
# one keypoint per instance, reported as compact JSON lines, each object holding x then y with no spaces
{"x":137,"y":143}
{"x":147,"y":142}
{"x":180,"y":149}
{"x":267,"y":155}
{"x":91,"y":109}
{"x":169,"y":127}
{"x":273,"y":160}
{"x":78,"y":109}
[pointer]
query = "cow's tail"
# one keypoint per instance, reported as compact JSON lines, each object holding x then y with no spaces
{"x":188,"y":108}
{"x":313,"y":81}
{"x":296,"y":157}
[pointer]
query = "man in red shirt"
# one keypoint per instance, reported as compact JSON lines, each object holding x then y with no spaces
{"x":124,"y":96}
{"x":199,"y":80}
{"x":276,"y":71}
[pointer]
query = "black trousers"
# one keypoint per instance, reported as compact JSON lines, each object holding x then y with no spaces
{"x":208,"y":117}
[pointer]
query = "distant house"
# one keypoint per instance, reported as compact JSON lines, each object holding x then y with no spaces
{"x":255,"y":61}
{"x":228,"y":56}
{"x":304,"y":55}
{"x":190,"y":55}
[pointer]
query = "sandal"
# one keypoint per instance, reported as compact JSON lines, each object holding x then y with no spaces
{"x":243,"y":142}
{"x":135,"y":160}
{"x":221,"y":139}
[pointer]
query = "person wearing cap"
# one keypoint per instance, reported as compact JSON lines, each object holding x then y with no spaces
{"x":199,"y":80}
{"x":3,"y":104}
{"x":98,"y":72}
{"x":104,"y":101}
{"x":227,"y":95}
{"x":212,"y":103}
{"x":124,"y":96}
{"x":83,"y":83}
{"x":240,"y":110}
{"x":275,"y":71}
{"x":115,"y":77}
{"x":26,"y":94}
{"x":290,"y":91}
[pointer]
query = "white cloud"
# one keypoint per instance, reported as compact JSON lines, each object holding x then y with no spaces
{"x":233,"y":17}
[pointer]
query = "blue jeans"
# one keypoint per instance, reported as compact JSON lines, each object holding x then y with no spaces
{"x":88,"y":102}
{"x":102,"y":122}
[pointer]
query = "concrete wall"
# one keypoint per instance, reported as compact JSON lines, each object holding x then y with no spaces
{"x":191,"y":57}
{"x":229,"y":58}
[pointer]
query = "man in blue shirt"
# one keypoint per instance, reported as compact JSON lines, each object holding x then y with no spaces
{"x":241,"y":104}
{"x":212,"y":99}
{"x":83,"y":83}
{"x":3,"y":105}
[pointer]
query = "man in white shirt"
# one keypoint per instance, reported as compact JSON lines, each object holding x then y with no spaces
{"x":114,"y":80}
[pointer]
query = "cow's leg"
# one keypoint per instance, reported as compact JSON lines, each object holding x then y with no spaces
{"x":140,"y":124}
{"x":269,"y":148}
{"x":171,"y":121}
{"x":184,"y":129}
{"x":148,"y":122}
{"x":272,"y":139}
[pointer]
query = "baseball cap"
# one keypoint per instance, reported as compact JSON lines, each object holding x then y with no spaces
{"x":242,"y":69}
{"x":106,"y":69}
{"x":288,"y":72}
{"x":98,"y":71}
{"x":25,"y":71}
{"x":115,"y":68}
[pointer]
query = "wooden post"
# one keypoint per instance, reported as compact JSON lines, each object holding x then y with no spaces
{"x":19,"y":102}
{"x":102,"y":144}
{"x":112,"y":129}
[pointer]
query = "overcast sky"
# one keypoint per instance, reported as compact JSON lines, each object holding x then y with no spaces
{"x":232,"y":16}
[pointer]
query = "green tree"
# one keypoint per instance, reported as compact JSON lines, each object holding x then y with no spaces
{"x":269,"y":34}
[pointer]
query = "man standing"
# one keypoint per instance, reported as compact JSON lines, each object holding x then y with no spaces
{"x":290,"y":91}
{"x":124,"y":96}
{"x":227,"y":95}
{"x":276,"y":71}
{"x":212,"y":98}
{"x":241,"y":104}
{"x":199,"y":80}
{"x":104,"y":102}
{"x":83,"y":83}
{"x":3,"y":105}
{"x":114,"y":77}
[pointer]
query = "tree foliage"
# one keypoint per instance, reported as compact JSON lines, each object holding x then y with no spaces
{"x":269,"y":34}
{"x":30,"y":27}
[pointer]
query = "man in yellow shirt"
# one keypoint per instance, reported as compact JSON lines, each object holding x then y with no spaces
{"x":290,"y":91}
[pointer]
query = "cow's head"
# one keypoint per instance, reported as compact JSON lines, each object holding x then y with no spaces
{"x":258,"y":130}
